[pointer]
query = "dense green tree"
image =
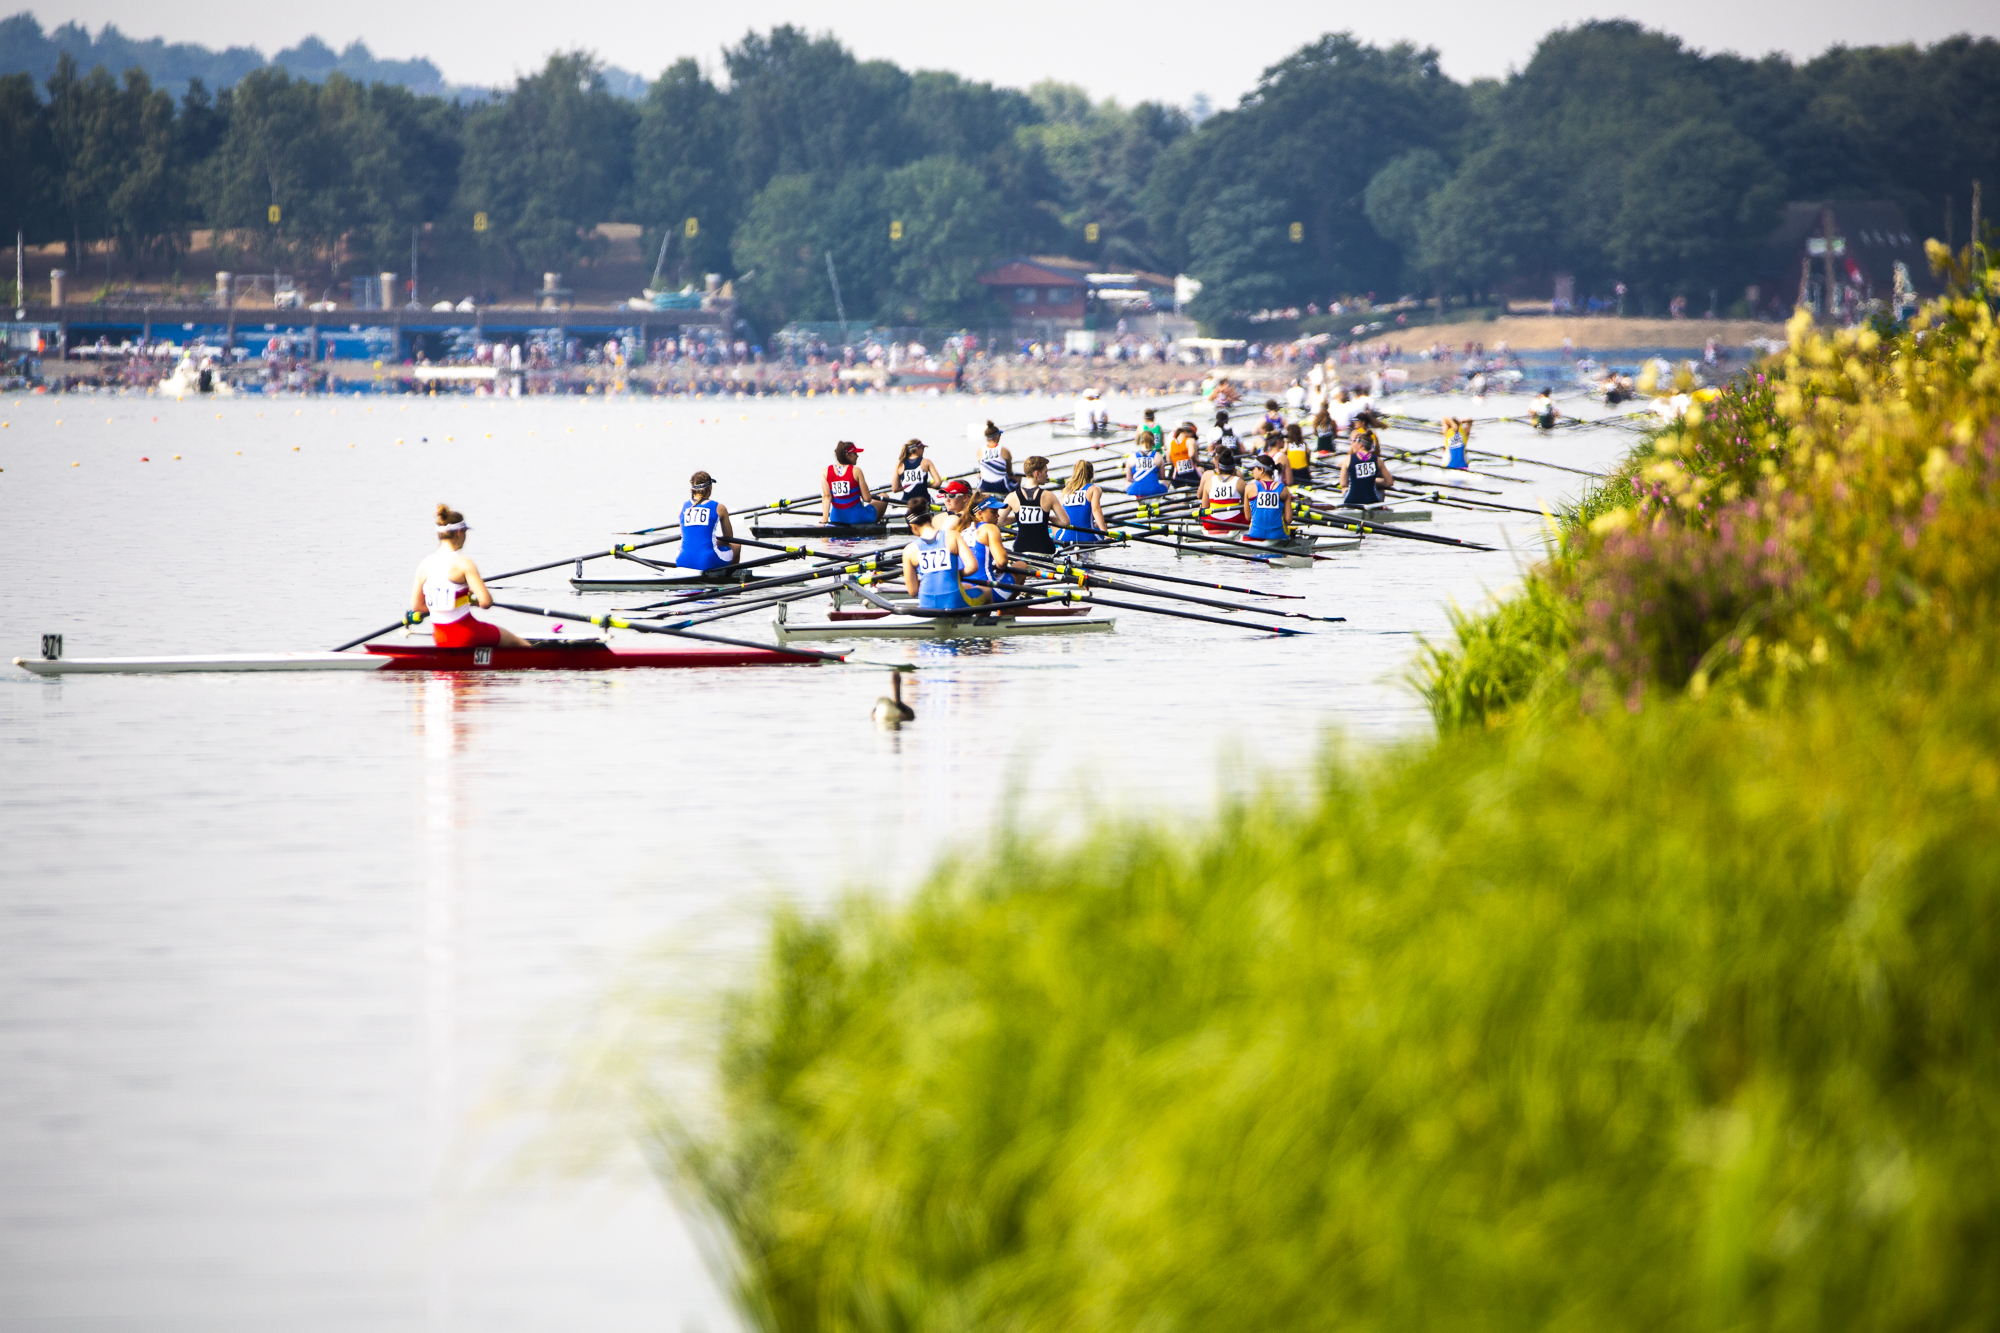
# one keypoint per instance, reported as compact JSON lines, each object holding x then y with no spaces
{"x":1398,"y":202}
{"x":282,"y":150}
{"x":1308,"y":139}
{"x":1697,"y":202}
{"x":681,"y":169}
{"x":546,"y":163}
{"x":1493,"y":220}
{"x":1101,"y":155}
{"x":1238,"y":252}
{"x":27,"y":163}
{"x":948,"y":236}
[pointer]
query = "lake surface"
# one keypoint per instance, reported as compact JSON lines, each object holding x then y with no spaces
{"x":269,"y":943}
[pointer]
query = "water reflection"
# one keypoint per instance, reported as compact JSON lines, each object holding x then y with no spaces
{"x":442,"y":729}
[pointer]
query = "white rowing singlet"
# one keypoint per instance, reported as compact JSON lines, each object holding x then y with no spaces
{"x":446,"y":601}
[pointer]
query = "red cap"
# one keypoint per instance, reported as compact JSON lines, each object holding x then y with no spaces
{"x":954,"y":488}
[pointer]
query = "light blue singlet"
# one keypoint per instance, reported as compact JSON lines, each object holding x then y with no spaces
{"x":698,"y":528}
{"x":1077,"y":515}
{"x":1267,"y":512}
{"x":937,"y":575}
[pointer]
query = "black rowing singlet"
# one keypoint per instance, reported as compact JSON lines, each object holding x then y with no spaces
{"x":1031,"y":522}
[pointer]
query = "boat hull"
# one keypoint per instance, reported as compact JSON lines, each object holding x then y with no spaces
{"x":828,"y":531}
{"x":888,"y":625}
{"x":402,"y":657}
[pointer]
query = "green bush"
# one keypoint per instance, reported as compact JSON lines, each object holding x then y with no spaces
{"x":1679,"y":1015}
{"x":1677,"y":1020}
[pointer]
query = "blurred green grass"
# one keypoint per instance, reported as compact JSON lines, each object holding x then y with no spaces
{"x":1677,"y":1015}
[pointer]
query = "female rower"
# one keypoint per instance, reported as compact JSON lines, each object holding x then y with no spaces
{"x":1325,"y":429}
{"x":448,"y":587}
{"x":996,"y":465}
{"x":844,"y":498}
{"x":1224,"y":432}
{"x":930,"y":563}
{"x":1365,"y":474}
{"x":915,"y":474}
{"x":1221,"y":493}
{"x":982,"y":556}
{"x":705,"y":529}
{"x":1183,"y":468}
{"x":1544,"y":411}
{"x":957,"y":497}
{"x":1151,"y":431}
{"x":1457,"y":434}
{"x":1028,"y":510}
{"x":1143,"y":468}
{"x":1268,"y":503}
{"x":1082,"y":503}
{"x":1274,"y":417}
{"x":1297,"y":458}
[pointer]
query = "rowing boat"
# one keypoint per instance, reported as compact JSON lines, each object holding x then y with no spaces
{"x":539,"y":655}
{"x":732,"y":579}
{"x":1381,"y":513}
{"x":875,"y":623}
{"x":854,"y":531}
{"x":1191,"y":538}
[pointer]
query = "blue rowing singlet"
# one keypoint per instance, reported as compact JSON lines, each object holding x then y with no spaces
{"x":1457,"y":455}
{"x":1267,"y":512}
{"x":937,"y":574}
{"x":698,"y":523}
{"x":1077,"y":515}
{"x":1145,"y":474}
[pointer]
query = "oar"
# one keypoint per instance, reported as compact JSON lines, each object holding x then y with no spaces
{"x":937,"y":613}
{"x":617,"y":622}
{"x":793,"y":553}
{"x":1359,"y":525}
{"x":618,"y":548}
{"x":861,"y":566}
{"x":1478,"y":506}
{"x":1043,"y":562}
{"x":1209,"y":549}
{"x":409,"y":618}
{"x":1182,"y":615}
{"x":1089,"y":578}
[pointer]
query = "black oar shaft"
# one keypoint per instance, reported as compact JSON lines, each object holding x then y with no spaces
{"x":616,"y":622}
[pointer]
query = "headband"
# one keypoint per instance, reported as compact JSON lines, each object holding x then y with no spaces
{"x":446,"y":529}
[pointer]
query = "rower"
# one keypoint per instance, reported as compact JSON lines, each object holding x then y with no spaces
{"x":1225,"y":434}
{"x":1266,"y":503}
{"x":1274,"y":417}
{"x":448,"y":587}
{"x":1149,"y":431}
{"x":1545,"y":411}
{"x":705,"y":529}
{"x":1082,"y":504}
{"x":1324,"y":431}
{"x":1297,"y":458}
{"x":1457,"y":434}
{"x":984,"y":577}
{"x":1027,"y":510}
{"x":844,"y":498}
{"x":996,"y":465}
{"x":1365,"y":474}
{"x":1143,"y":468}
{"x":1182,"y":467}
{"x":1090,"y":418}
{"x":915,"y":474}
{"x":1220,"y":496}
{"x":957,"y":497}
{"x":930,"y":563}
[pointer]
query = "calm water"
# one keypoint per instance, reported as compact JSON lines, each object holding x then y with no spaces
{"x":267,"y":943}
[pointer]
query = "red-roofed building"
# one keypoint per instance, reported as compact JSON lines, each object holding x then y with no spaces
{"x":1055,"y":291}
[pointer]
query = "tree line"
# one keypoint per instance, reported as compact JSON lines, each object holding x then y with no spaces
{"x":1615,"y":154}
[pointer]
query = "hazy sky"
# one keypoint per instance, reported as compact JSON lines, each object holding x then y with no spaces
{"x":1165,"y":51}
